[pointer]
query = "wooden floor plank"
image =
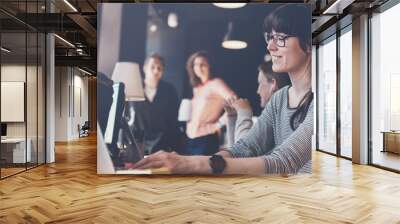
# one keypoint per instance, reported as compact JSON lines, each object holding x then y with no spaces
{"x":70,"y":191}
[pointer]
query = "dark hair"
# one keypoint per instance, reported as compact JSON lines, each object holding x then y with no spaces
{"x":155,"y":56}
{"x":282,"y":79}
{"x":294,"y":20}
{"x":300,"y":114}
{"x":291,"y":19}
{"x":194,"y":80}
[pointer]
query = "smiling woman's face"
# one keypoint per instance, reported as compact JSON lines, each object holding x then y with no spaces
{"x":289,"y":58}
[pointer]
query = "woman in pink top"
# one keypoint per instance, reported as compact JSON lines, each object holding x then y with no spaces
{"x":207,"y":106}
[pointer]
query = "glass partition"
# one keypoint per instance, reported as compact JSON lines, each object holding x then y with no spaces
{"x":346,"y":93}
{"x":13,"y":95}
{"x":327,"y":96}
{"x":385,"y":89}
{"x":22,"y":88}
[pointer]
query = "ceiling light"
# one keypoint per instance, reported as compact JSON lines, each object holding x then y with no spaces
{"x":232,"y":39}
{"x":70,"y":5}
{"x":5,"y":50}
{"x":153,"y":28}
{"x":173,"y":20}
{"x":234,"y":44}
{"x":79,"y":51}
{"x":84,"y":71}
{"x":65,"y":41}
{"x":229,"y":5}
{"x":338,"y":6}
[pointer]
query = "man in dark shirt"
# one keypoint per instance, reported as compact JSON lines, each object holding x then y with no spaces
{"x":156,"y":123}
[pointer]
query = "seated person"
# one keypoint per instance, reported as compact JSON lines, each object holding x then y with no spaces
{"x":239,"y":110}
{"x":156,"y":124}
{"x":280,"y":142}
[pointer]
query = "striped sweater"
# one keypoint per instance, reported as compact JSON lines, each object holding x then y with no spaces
{"x":283,"y":149}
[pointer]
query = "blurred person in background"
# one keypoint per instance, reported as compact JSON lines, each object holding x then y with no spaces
{"x":239,"y":111}
{"x":209,"y":94}
{"x":156,"y":123}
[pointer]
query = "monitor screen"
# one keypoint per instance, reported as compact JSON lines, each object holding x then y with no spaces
{"x":3,"y":129}
{"x":118,"y":133}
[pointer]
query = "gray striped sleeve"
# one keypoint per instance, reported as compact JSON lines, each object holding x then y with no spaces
{"x":243,"y":123}
{"x":294,"y":154}
{"x":283,"y":150}
{"x":259,"y":138}
{"x":237,"y":126}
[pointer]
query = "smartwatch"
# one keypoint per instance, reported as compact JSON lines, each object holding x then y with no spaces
{"x":217,"y":164}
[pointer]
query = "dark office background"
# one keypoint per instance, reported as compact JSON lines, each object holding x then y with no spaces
{"x":201,"y":27}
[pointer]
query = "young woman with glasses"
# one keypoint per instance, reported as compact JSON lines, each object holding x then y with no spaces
{"x":280,"y":142}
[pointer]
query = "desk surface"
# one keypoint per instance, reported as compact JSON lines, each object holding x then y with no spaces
{"x":146,"y":171}
{"x":391,"y":132}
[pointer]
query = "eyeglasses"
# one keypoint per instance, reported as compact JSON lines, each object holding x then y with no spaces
{"x":279,"y":39}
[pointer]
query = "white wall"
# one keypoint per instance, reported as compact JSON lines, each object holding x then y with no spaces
{"x":79,"y":117}
{"x":16,"y":73}
{"x":61,"y":103}
{"x":70,"y":83}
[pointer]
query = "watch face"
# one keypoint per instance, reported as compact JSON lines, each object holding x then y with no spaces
{"x":217,"y":164}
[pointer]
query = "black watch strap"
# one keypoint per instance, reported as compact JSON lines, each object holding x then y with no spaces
{"x":217,"y":164}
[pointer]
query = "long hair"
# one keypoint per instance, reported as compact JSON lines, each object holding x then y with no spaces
{"x":194,"y":80}
{"x":300,"y":114}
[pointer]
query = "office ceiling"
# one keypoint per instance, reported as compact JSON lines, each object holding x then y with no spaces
{"x":80,"y":27}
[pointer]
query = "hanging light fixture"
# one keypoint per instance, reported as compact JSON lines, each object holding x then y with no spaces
{"x":65,"y":41}
{"x":229,"y":5}
{"x":172,"y":20}
{"x":153,"y":27}
{"x":85,"y":72}
{"x":231,"y":39}
{"x":5,"y":49}
{"x":70,"y":5}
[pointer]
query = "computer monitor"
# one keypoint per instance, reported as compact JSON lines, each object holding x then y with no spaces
{"x":118,"y":136}
{"x":3,"y":129}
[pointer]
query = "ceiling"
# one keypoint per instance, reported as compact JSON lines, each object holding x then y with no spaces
{"x":79,"y":27}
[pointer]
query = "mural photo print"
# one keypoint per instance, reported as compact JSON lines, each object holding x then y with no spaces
{"x":200,"y":89}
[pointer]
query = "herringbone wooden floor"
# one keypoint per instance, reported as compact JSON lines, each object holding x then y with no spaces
{"x":70,"y":191}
